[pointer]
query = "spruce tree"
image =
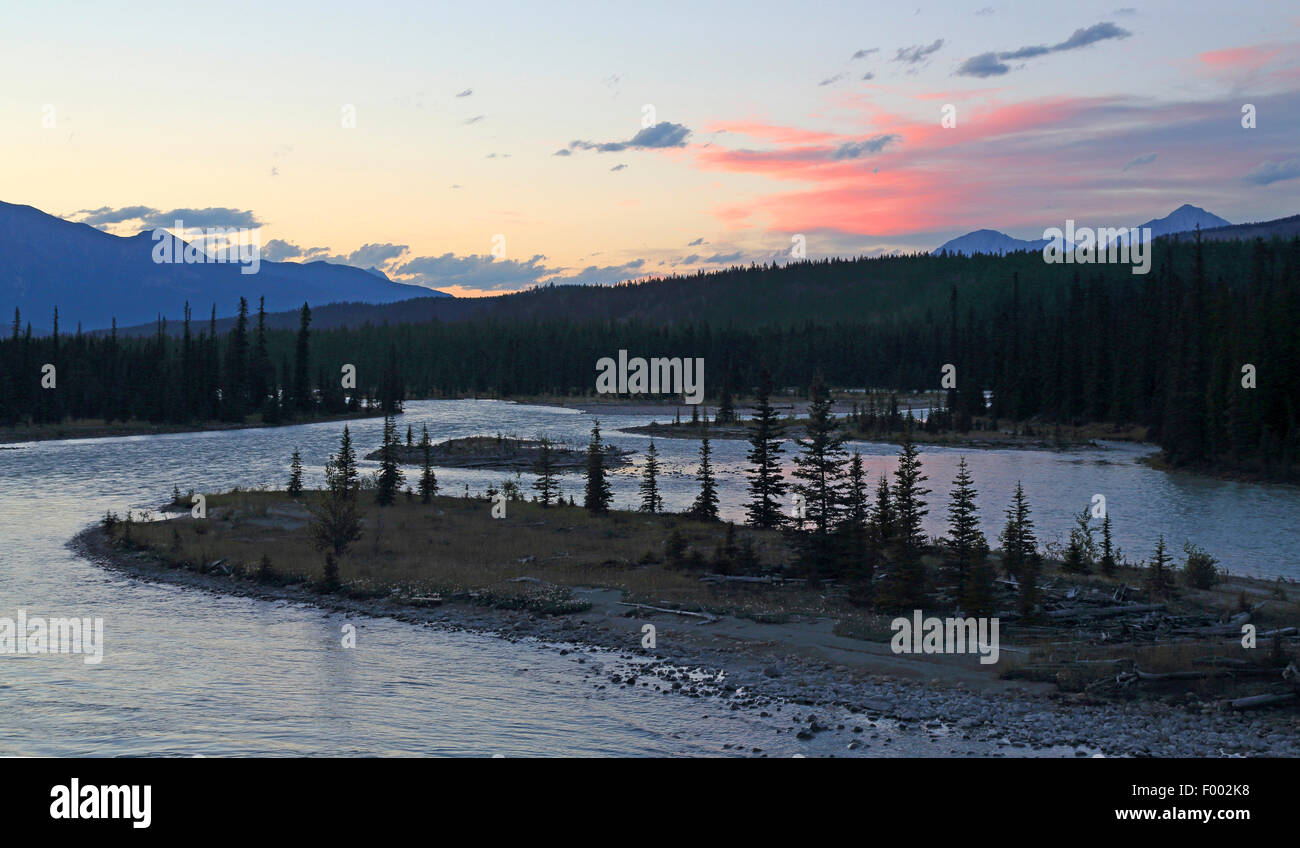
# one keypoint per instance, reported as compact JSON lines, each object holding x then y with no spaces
{"x":1080,"y":553}
{"x":820,"y":466}
{"x":905,"y":584}
{"x":705,"y":507}
{"x":1017,"y":538}
{"x":546,"y":484}
{"x":1107,"y":561}
{"x":1159,"y":577}
{"x":428,"y":480}
{"x":650,"y":498}
{"x":390,"y":472}
{"x":966,"y":545}
{"x":598,"y":494}
{"x":302,"y":397}
{"x":295,"y":475}
{"x":766,"y":486}
{"x":346,"y":479}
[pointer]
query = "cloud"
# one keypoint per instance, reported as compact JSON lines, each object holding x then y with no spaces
{"x":994,"y":64}
{"x":662,"y":135}
{"x":857,"y":149}
{"x":862,"y":54}
{"x":1144,"y":159}
{"x":473,"y":120}
{"x":475,"y":273}
{"x":466,"y":93}
{"x":917,"y":53}
{"x":563,"y":151}
{"x":1274,"y":171}
{"x":278,"y":250}
{"x":987,"y":10}
{"x":869,"y":75}
{"x":832,"y":80}
{"x":618,"y":167}
{"x":698,"y":241}
{"x":151,"y":218}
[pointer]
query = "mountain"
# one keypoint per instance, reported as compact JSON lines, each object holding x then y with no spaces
{"x":94,"y":277}
{"x":988,"y":242}
{"x":1277,"y":228}
{"x":1184,"y":219}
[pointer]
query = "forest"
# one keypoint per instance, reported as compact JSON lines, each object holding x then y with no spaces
{"x":1202,"y":351}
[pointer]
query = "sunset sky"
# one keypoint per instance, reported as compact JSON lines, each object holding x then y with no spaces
{"x":525,"y":121}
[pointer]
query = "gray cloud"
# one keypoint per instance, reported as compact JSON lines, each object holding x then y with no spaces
{"x":832,"y":80}
{"x":698,"y":241}
{"x":917,"y":53}
{"x":563,"y":151}
{"x":862,"y":54}
{"x":994,"y":64}
{"x":150,"y":218}
{"x":1144,"y":159}
{"x":618,"y":167}
{"x":466,"y":93}
{"x":857,"y":149}
{"x":1274,"y":172}
{"x":662,"y":135}
{"x":489,"y":274}
{"x":474,"y":120}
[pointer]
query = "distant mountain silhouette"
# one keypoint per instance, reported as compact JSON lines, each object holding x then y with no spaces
{"x":94,"y":277}
{"x":990,"y":242}
{"x":1184,"y":219}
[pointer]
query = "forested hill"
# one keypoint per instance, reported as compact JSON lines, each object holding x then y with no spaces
{"x":879,"y":291}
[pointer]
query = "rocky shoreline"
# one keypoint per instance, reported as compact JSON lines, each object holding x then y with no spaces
{"x":864,"y":711}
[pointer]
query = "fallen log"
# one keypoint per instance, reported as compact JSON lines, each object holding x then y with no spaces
{"x":708,"y":619}
{"x":1256,"y":701}
{"x":1103,"y":612}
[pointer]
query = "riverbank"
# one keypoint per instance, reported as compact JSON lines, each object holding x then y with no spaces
{"x":98,"y":429}
{"x":773,"y":645}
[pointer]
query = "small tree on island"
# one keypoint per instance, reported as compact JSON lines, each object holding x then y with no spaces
{"x":766,"y":487}
{"x":1081,"y":550}
{"x":295,"y":475}
{"x":545,"y":484}
{"x":335,"y":519}
{"x":1108,"y":561}
{"x":598,"y":494}
{"x":390,"y":472}
{"x":1159,"y":581}
{"x":905,"y":585}
{"x":966,"y":546}
{"x":428,"y":481}
{"x":705,"y":507}
{"x":650,"y":499}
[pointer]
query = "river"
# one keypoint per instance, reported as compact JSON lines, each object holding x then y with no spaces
{"x":188,"y":673}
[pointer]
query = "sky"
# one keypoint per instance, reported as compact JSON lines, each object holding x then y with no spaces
{"x":485,"y":148}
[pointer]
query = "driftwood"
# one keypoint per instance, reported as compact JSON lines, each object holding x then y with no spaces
{"x":1256,"y":701}
{"x":1103,"y":612}
{"x":708,"y":619}
{"x":736,"y":578}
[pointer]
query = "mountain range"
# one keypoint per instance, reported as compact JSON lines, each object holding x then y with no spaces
{"x":94,"y":277}
{"x":1184,"y":219}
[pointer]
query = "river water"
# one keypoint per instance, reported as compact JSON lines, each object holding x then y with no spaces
{"x":188,"y":673}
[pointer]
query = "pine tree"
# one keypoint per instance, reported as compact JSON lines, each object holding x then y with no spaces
{"x":905,"y":584}
{"x":428,"y":480}
{"x":295,"y":475}
{"x":766,"y":486}
{"x":820,"y":466}
{"x":1080,"y":552}
{"x":390,"y":472}
{"x":1107,"y":562}
{"x":598,"y":494}
{"x":650,"y":498}
{"x":1159,"y":578}
{"x":858,"y":559}
{"x":705,"y":507}
{"x":1017,"y":538}
{"x":545,"y":484}
{"x":966,"y":545}
{"x":302,"y":397}
{"x":346,"y":479}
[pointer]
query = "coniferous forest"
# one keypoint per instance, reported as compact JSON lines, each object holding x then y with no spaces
{"x":1202,"y":351}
